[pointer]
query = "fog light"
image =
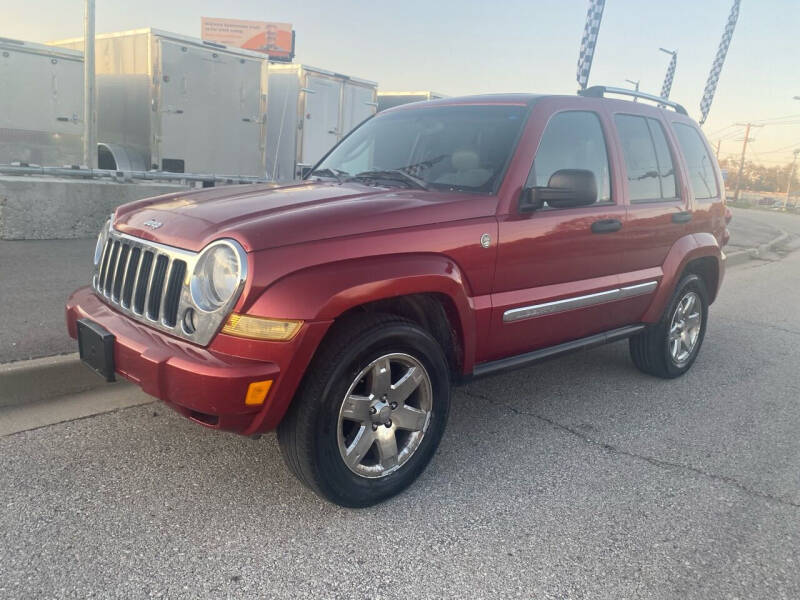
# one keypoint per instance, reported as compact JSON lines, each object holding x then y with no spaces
{"x":260,"y":328}
{"x":190,"y":321}
{"x":257,"y":392}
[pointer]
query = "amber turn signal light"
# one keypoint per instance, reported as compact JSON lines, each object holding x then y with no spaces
{"x":257,"y":392}
{"x":260,"y":328}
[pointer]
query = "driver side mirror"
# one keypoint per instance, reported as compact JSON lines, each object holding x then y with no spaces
{"x":566,"y":188}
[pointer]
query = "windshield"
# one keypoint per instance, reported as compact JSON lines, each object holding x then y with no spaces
{"x":463,"y":148}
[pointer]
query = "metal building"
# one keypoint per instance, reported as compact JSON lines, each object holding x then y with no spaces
{"x":41,"y":104}
{"x":175,"y":103}
{"x":308,"y":111}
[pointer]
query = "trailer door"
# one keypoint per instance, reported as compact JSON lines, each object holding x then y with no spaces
{"x":209,"y":111}
{"x":321,"y":118}
{"x":248,"y":121}
{"x":359,"y":104}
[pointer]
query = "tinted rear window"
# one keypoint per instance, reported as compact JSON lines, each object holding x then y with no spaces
{"x":702,"y":176}
{"x":648,"y":162}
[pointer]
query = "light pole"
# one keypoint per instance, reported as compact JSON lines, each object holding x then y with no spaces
{"x":791,"y":176}
{"x":635,"y":86}
{"x":89,"y":111}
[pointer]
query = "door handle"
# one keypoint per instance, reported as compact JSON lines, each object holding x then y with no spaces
{"x":682,"y":217}
{"x":606,"y":226}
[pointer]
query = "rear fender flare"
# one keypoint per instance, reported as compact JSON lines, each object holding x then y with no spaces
{"x":685,"y":250}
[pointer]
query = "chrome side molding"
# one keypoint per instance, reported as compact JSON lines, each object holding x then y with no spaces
{"x":557,"y":306}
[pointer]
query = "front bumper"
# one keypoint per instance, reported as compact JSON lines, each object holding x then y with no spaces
{"x":207,"y":385}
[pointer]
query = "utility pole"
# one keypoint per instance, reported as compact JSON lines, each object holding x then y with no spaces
{"x":744,"y":150}
{"x":719,"y":143}
{"x":89,"y":111}
{"x":791,"y":176}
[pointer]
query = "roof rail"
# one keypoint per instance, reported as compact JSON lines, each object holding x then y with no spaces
{"x":599,"y":91}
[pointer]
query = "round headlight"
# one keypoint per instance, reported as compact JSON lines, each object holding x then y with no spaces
{"x":217,"y":275}
{"x":101,"y":242}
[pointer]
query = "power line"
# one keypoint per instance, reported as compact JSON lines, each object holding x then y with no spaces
{"x":794,"y":116}
{"x":783,"y":149}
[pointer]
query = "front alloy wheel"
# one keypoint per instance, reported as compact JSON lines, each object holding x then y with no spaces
{"x":384,"y":415}
{"x":371,"y":411}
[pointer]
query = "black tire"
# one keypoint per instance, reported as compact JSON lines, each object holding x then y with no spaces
{"x":650,"y":350}
{"x":308,"y":433}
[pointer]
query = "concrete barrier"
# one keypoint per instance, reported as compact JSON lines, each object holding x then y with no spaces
{"x":47,"y":208}
{"x":49,"y":377}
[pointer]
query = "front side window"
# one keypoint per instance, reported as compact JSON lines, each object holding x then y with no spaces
{"x":699,"y":162}
{"x":651,"y":174}
{"x":449,"y":148}
{"x":572,"y":140}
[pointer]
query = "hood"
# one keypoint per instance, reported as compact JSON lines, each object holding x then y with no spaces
{"x":267,"y":215}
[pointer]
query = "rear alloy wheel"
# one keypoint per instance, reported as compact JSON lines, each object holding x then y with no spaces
{"x":371,"y":411}
{"x":684,"y":328}
{"x":668,"y":348}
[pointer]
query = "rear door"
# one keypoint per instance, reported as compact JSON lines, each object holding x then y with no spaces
{"x":559,"y":269}
{"x":705,"y":185}
{"x":321,"y":118}
{"x":658,"y":209}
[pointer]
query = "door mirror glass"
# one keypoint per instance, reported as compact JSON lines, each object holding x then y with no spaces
{"x":567,"y":188}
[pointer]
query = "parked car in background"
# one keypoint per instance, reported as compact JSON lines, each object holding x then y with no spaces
{"x":438,"y":242}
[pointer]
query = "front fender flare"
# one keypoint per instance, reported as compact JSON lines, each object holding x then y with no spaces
{"x":324,"y":292}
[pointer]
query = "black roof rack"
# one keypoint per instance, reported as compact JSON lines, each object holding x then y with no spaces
{"x":599,"y":91}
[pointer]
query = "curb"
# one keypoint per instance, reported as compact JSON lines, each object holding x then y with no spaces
{"x":742,"y":256}
{"x":42,"y":378}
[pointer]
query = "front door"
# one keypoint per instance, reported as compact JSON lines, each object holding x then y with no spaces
{"x":558,"y":269}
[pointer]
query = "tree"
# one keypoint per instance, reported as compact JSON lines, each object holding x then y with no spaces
{"x":761,"y":178}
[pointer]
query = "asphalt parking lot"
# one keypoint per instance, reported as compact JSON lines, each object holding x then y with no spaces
{"x":576,"y":478}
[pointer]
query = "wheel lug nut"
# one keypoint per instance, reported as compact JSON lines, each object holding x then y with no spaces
{"x":393,"y":405}
{"x":389,"y":423}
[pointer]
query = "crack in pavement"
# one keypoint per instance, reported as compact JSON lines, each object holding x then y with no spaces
{"x":657,"y":462}
{"x":770,"y":326}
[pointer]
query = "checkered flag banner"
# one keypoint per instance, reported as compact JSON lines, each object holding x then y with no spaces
{"x":719,"y":60}
{"x":589,"y":40}
{"x":665,"y":89}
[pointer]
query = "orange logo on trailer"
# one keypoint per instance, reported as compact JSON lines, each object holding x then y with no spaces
{"x":275,"y":39}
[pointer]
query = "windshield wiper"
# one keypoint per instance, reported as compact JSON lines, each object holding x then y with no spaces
{"x":328,"y":172}
{"x":393,"y":175}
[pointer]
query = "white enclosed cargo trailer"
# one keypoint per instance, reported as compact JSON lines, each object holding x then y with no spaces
{"x":41,"y":104}
{"x":392,"y":99}
{"x":308,"y":111}
{"x":176,"y":103}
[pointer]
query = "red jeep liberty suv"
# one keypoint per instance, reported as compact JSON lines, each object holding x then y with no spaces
{"x":439,"y":241}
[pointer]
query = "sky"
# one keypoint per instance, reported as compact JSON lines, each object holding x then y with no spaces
{"x":463,"y":46}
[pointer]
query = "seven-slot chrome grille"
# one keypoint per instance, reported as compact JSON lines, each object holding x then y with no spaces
{"x":149,"y":282}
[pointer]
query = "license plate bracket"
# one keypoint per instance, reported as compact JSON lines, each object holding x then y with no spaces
{"x":96,"y":348}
